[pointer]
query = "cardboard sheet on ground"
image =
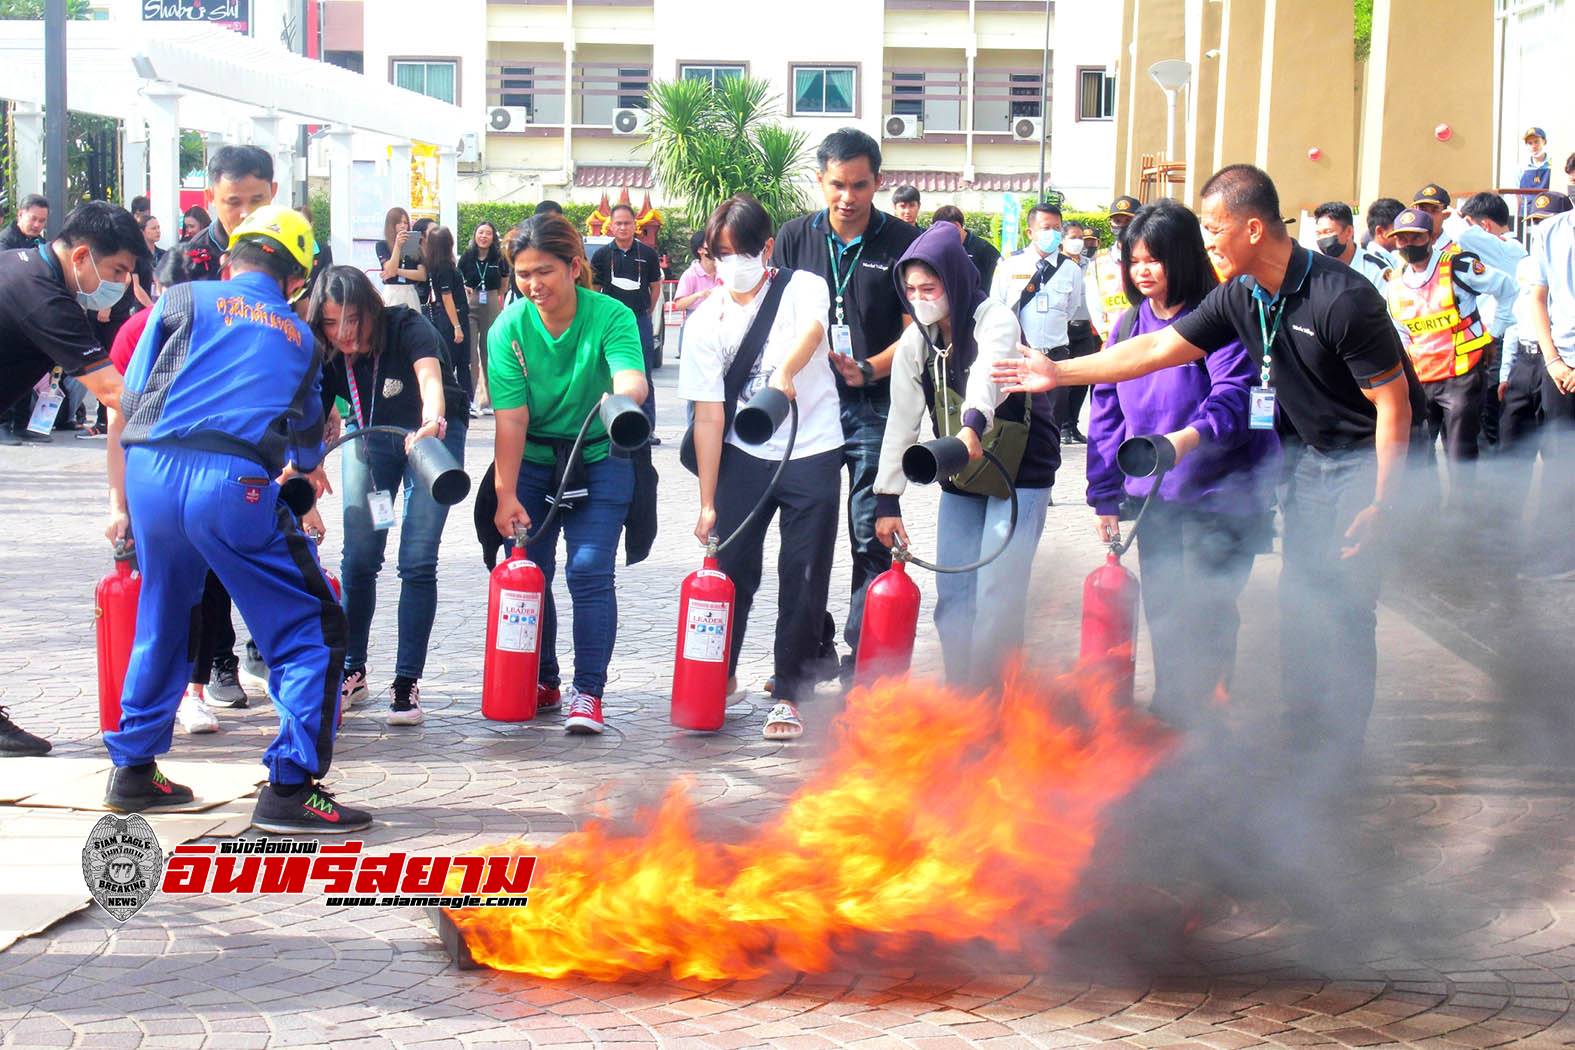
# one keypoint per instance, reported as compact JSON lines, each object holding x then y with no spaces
{"x":21,"y":777}
{"x":214,"y":783}
{"x":41,"y":881}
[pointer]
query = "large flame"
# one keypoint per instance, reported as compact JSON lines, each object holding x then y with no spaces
{"x":937,"y":815}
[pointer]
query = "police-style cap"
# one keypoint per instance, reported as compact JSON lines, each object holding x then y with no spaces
{"x":1413,"y":220}
{"x":1549,"y":203}
{"x":1432,"y":194}
{"x":1125,"y":206}
{"x":1534,"y":130}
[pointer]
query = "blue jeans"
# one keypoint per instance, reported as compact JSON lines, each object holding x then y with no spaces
{"x":863,"y":429}
{"x":1328,"y":604}
{"x":591,"y":532}
{"x":980,"y":614}
{"x":378,"y":462}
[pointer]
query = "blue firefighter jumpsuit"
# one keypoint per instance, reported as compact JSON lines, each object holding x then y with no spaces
{"x":222,"y":391}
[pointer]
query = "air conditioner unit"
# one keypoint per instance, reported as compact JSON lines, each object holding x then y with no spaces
{"x":469,"y":149}
{"x":507,"y":118}
{"x":903,"y":126}
{"x":1026,"y":129}
{"x":630,"y":121}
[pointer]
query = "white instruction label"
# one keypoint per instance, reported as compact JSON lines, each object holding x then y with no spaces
{"x":705,"y":632}
{"x":519,"y":621}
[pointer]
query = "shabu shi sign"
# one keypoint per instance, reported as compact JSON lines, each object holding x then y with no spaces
{"x":230,"y":14}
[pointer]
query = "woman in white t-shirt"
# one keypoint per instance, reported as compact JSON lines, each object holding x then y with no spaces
{"x":733,"y":476}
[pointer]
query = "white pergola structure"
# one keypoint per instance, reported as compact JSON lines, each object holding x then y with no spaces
{"x":162,"y":78}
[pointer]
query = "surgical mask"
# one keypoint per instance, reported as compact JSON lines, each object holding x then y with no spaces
{"x":1331,"y":246}
{"x":1048,"y":241}
{"x":740,"y":273}
{"x":1416,"y":253}
{"x":107,"y":293}
{"x":929,"y":311}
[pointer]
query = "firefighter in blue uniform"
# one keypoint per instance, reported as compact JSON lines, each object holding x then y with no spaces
{"x":222,"y":402}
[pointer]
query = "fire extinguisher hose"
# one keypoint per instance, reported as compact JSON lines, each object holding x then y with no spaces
{"x":905,"y":554}
{"x":771,"y":487}
{"x":1119,"y":547}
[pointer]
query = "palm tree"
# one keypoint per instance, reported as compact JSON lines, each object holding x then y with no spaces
{"x":708,"y":142}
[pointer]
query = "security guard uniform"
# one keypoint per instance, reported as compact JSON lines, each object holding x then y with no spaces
{"x":1375,"y":264}
{"x":222,"y":393}
{"x":1435,"y":311}
{"x":1433,"y":193}
{"x":1103,"y":287}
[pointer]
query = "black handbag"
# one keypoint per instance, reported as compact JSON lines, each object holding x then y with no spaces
{"x":749,"y":352}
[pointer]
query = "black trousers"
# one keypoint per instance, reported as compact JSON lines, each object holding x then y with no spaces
{"x":807,"y":500}
{"x":1491,"y":409}
{"x":1067,"y":401}
{"x":212,"y":630}
{"x":1193,"y":565}
{"x":1548,"y":547}
{"x":1454,"y":409}
{"x":1520,"y":425}
{"x":1328,"y":604}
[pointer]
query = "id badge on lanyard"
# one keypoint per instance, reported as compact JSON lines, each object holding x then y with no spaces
{"x":380,"y":503}
{"x":1260,"y":399}
{"x":50,"y":398}
{"x":842,"y":339}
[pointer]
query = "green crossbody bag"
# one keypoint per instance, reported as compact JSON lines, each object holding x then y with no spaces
{"x":1006,"y":439}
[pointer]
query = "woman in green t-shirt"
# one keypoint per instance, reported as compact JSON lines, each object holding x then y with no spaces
{"x":552,"y":355}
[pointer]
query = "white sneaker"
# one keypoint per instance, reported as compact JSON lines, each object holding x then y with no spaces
{"x":193,"y":716}
{"x":353,"y":690}
{"x":406,"y":710}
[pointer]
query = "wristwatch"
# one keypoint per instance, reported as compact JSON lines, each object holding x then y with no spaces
{"x":867,"y":370}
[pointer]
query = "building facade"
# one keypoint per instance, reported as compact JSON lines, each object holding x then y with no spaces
{"x":554,"y":93}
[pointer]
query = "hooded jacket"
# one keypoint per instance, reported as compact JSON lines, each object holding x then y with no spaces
{"x":982,"y":331}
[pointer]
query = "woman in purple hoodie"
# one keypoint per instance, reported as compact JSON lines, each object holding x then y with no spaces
{"x":1212,"y":513}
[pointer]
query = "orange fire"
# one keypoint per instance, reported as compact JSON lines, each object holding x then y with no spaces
{"x":937,"y":817}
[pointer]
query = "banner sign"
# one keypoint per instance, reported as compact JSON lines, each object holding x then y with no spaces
{"x":1011,"y":217}
{"x":227,"y":14}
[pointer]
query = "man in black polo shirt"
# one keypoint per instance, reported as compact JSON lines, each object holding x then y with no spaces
{"x":1337,"y":386}
{"x":240,"y":180}
{"x":853,"y":246}
{"x":630,"y":271}
{"x":43,"y":293}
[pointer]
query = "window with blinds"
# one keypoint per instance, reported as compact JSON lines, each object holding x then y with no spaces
{"x":434,"y":78}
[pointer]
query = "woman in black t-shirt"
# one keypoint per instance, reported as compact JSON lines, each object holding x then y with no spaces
{"x":391,"y":366}
{"x":446,"y":305}
{"x":399,"y":281}
{"x":482,"y":268}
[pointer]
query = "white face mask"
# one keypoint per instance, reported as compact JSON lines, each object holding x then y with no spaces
{"x":740,"y":273}
{"x":930,"y":311}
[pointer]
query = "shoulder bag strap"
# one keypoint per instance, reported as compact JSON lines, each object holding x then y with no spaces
{"x":1041,"y":275}
{"x":753,"y":345}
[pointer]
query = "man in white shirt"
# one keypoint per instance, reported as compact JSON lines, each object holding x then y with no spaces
{"x":1041,"y":285}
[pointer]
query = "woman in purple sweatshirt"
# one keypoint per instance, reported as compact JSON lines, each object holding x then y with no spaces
{"x":1212,"y":513}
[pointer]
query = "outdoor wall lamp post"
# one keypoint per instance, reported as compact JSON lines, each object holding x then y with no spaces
{"x":1171,"y":75}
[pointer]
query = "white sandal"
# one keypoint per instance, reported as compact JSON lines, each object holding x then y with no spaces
{"x":782,"y":723}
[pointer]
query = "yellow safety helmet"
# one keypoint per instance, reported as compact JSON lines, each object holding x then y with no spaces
{"x":285,"y":227}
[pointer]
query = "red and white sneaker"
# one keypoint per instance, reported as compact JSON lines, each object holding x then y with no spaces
{"x":548,"y":697}
{"x":585,"y":713}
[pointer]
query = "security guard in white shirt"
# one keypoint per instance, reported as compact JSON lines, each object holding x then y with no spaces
{"x":1041,"y":285}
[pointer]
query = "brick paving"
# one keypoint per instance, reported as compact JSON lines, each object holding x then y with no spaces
{"x":1432,"y":907}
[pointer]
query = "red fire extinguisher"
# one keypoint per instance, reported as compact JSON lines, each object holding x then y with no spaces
{"x":1110,"y":607}
{"x":891,"y":622}
{"x":328,"y":574}
{"x":513,"y":660}
{"x":705,"y":637}
{"x":115,"y":609}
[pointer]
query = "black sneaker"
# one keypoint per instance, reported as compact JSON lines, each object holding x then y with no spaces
{"x":131,"y":790}
{"x":16,"y":742}
{"x":1072,"y":436}
{"x":8,"y":437}
{"x":311,"y":810}
{"x":30,"y":438}
{"x":225,"y":686}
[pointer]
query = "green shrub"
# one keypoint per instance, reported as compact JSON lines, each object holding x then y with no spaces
{"x":322,"y":229}
{"x":505,"y":216}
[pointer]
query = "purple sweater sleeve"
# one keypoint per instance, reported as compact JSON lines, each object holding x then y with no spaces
{"x":1221,"y":418}
{"x":1107,"y":428}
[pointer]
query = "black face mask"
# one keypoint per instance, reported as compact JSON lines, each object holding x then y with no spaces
{"x":1416,"y":253}
{"x":1331,"y":246}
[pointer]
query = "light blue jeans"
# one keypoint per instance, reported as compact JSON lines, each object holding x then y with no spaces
{"x":980,"y":614}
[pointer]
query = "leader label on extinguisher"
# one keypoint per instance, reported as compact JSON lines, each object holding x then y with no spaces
{"x":519,"y":616}
{"x":705,"y":632}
